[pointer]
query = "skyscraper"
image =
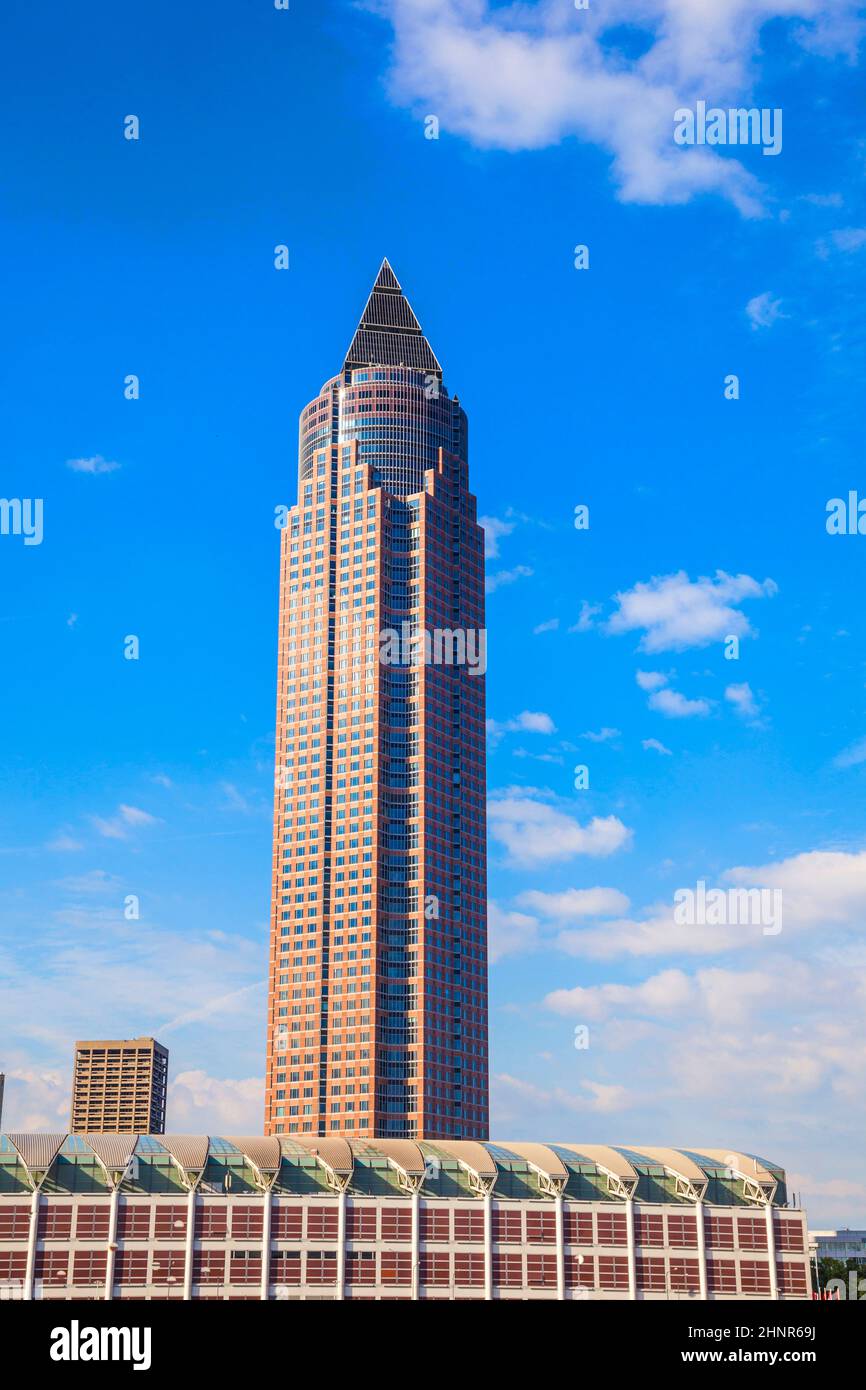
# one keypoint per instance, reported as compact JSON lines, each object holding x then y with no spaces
{"x":119,"y":1086}
{"x":377,"y":1010}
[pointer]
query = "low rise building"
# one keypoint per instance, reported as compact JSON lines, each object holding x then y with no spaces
{"x":116,"y":1216}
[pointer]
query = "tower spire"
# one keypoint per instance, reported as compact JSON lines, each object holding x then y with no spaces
{"x":389,"y":334}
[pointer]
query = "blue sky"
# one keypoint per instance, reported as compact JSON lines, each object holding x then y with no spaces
{"x":603,"y":387}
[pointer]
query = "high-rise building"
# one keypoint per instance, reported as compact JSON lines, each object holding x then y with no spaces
{"x":377,"y":1010}
{"x":119,"y":1086}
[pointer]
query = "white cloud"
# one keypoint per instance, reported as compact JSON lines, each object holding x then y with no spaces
{"x":35,"y":1098}
{"x":586,"y":619}
{"x":201,"y":1104}
{"x":822,"y":892}
{"x":575,"y":902}
{"x":96,"y":881}
{"x":604,"y":735}
{"x":513,"y":1098}
{"x":673,"y":705}
{"x":763,"y":310}
{"x":650,"y":680}
{"x":550,"y":625}
{"x":494,"y":529}
{"x":509,"y":933}
{"x":527,"y":77}
{"x":675,"y":613}
{"x":534,"y":832}
{"x":527,"y":722}
{"x":96,"y":464}
{"x":653,"y":745}
{"x":848,"y":239}
{"x":743,"y":701}
{"x":853,"y":755}
{"x":662,"y":994}
{"x":503,"y":577}
{"x":128,"y":817}
{"x":64,"y":843}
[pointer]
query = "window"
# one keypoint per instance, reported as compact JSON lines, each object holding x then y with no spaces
{"x":649,"y":1228}
{"x":752,"y":1233}
{"x":92,"y":1223}
{"x":170,"y":1223}
{"x":13,"y":1264}
{"x":436,"y":1223}
{"x":287,"y":1223}
{"x":245,"y":1266}
{"x":131,"y":1267}
{"x":540,"y":1228}
{"x":720,"y":1232}
{"x":89,"y":1267}
{"x":754,"y":1276}
{"x":541,"y":1271}
{"x":285,"y":1267}
{"x":168,"y":1266}
{"x":396,"y":1266}
{"x":211,"y":1222}
{"x":721,"y":1276}
{"x":321,"y":1223}
{"x":683,"y":1231}
{"x":55,"y":1223}
{"x":435,"y":1267}
{"x":508,"y":1227}
{"x":789,"y":1233}
{"x":247,"y":1222}
{"x":322,"y":1266}
{"x":133,"y":1223}
{"x":507,"y":1270}
{"x":361,"y":1266}
{"x":685,"y":1275}
{"x":361,"y":1223}
{"x":468,"y":1269}
{"x":52,"y":1266}
{"x":396,"y":1223}
{"x":612,"y":1228}
{"x":792,"y":1278}
{"x":612,"y":1272}
{"x":14,"y":1223}
{"x":468,"y":1224}
{"x":209,"y":1267}
{"x":579,"y":1274}
{"x":578,"y":1227}
{"x":651,"y":1272}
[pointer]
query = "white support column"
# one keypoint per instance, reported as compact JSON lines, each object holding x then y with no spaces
{"x":771,"y":1251}
{"x":111,"y":1251}
{"x":560,"y":1248}
{"x":341,"y":1245}
{"x":702,"y":1250}
{"x":190,"y":1244}
{"x":416,"y":1243}
{"x":632,"y":1258}
{"x":488,"y":1245}
{"x":31,"y":1245}
{"x":266,"y":1244}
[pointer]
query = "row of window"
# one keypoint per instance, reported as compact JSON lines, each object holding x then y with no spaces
{"x":654,"y":1274}
{"x":533,"y":1227}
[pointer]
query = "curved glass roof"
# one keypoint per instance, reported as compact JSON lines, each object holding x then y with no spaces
{"x":529,"y":1170}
